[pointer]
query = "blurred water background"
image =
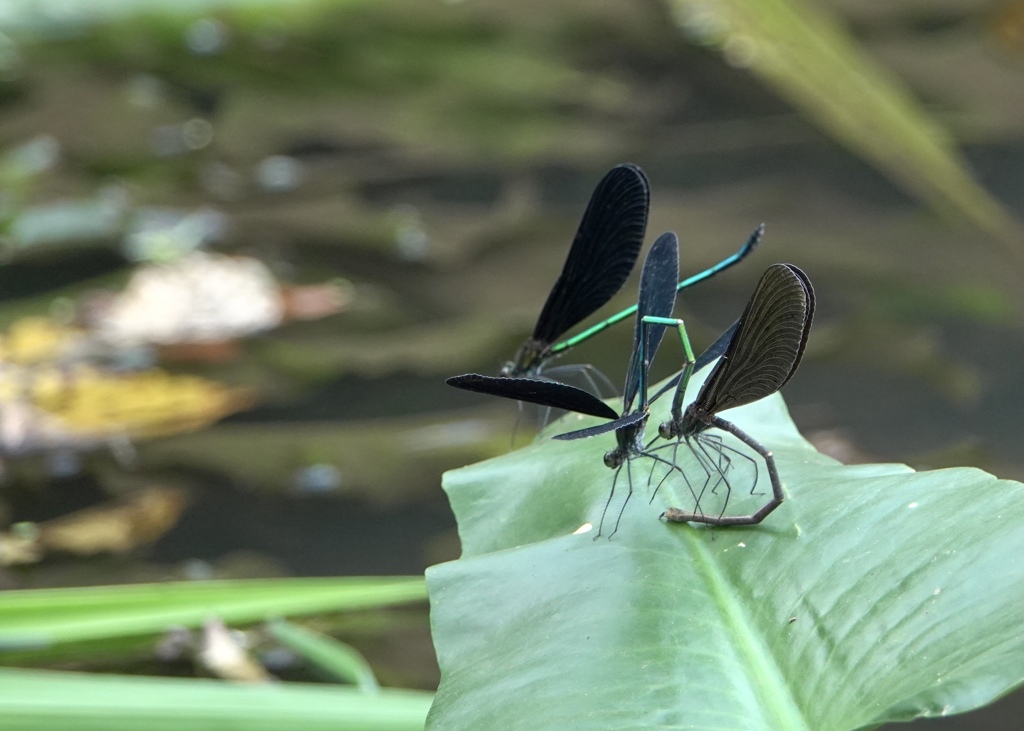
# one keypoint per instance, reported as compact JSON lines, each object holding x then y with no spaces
{"x":245,"y":242}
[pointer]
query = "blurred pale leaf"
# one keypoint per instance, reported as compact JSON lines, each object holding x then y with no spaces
{"x":224,"y":654}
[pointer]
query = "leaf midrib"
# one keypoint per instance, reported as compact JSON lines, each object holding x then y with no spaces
{"x":768,"y":682}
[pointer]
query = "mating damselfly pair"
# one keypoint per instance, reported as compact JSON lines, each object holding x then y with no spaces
{"x":756,"y":355}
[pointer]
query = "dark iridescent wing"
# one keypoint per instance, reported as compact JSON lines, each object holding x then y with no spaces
{"x":768,"y":343}
{"x":809,"y":291}
{"x":717,"y":348}
{"x":606,"y":245}
{"x":622,"y":422}
{"x":546,"y":393}
{"x":657,"y":298}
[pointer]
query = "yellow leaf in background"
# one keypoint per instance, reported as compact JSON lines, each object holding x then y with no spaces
{"x":1007,"y":24}
{"x":810,"y":60}
{"x":46,"y":384}
{"x":38,"y":339}
{"x":142,"y":517}
{"x":94,"y":403}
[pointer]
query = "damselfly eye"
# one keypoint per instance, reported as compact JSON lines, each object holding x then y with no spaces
{"x":612,"y":459}
{"x":665,"y":430}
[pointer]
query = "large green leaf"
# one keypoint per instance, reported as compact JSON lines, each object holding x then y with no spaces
{"x":874,"y":593}
{"x":44,"y":701}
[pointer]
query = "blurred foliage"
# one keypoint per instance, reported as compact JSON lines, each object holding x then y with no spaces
{"x":803,"y":53}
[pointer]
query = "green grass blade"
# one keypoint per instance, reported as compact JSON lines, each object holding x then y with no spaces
{"x":40,"y":618}
{"x":799,"y":50}
{"x":52,"y":701}
{"x":327,"y":653}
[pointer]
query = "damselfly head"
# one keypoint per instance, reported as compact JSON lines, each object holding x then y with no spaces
{"x":529,"y":359}
{"x":614,"y":458}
